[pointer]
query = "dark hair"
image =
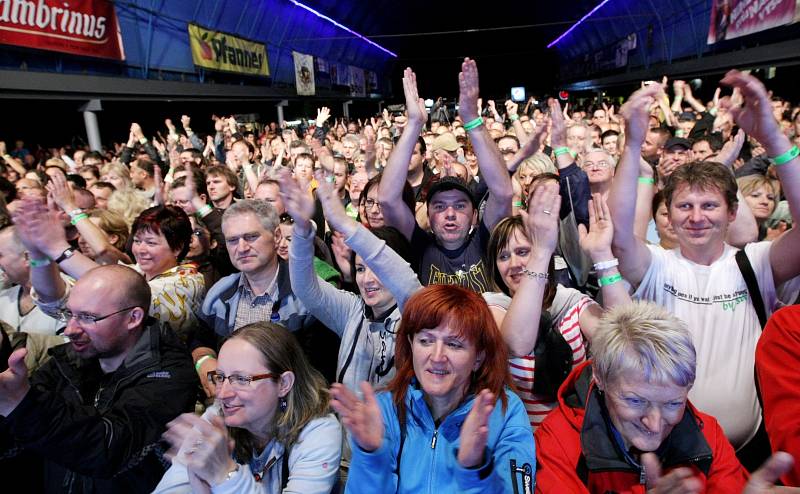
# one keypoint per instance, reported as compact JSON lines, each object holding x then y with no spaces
{"x":394,"y":240}
{"x":226,"y":173}
{"x":196,"y":153}
{"x":422,"y":146}
{"x":97,"y":155}
{"x":499,"y":239}
{"x":76,"y":179}
{"x":104,"y":185}
{"x":714,"y":141}
{"x":408,"y":192}
{"x":199,"y":180}
{"x":146,"y":166}
{"x":466,"y":313}
{"x":608,"y":133}
{"x":703,"y":175}
{"x":170,"y":221}
{"x":658,"y":198}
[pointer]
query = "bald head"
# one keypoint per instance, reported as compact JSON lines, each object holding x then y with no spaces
{"x":117,"y":284}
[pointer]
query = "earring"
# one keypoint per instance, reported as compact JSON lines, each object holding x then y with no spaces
{"x":282,"y":404}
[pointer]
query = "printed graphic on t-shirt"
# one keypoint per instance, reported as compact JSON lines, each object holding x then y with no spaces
{"x":729,"y":300}
{"x":473,"y":277}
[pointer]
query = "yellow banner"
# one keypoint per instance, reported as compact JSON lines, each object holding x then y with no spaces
{"x":220,"y":51}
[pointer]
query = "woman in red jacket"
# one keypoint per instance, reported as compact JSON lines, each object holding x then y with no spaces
{"x":625,"y":414}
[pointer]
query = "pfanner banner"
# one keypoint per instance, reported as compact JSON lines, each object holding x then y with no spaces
{"x":221,"y":51}
{"x":734,"y":18}
{"x":79,"y":27}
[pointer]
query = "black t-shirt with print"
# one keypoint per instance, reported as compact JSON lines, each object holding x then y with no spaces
{"x":465,"y":266}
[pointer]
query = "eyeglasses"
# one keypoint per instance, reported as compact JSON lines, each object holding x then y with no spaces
{"x":237,"y":380}
{"x":371,"y":203}
{"x":598,"y":164}
{"x":64,"y":315}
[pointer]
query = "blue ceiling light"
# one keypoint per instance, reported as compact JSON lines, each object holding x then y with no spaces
{"x":342,"y":26}
{"x":555,"y":41}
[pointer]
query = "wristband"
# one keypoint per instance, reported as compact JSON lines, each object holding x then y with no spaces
{"x":38,"y":263}
{"x":200,"y":213}
{"x":534,"y":274}
{"x":612,"y":263}
{"x":786,"y":157}
{"x":517,"y":204}
{"x":514,"y":117}
{"x":473,"y":124}
{"x":609,"y":280}
{"x":143,"y":140}
{"x":75,"y":219}
{"x":559,"y":151}
{"x":647,"y":180}
{"x":74,"y":213}
{"x":200,"y":362}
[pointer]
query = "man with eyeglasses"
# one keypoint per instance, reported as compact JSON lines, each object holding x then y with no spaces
{"x":260,"y":291}
{"x":96,"y":410}
{"x":599,"y":167}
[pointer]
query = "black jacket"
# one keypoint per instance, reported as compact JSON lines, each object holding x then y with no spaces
{"x":100,"y":432}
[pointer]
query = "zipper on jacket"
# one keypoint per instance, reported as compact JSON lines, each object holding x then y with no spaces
{"x":433,"y":439}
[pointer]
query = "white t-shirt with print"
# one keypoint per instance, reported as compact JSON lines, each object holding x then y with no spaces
{"x":714,"y":303}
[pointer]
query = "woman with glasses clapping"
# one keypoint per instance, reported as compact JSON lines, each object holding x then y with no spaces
{"x":270,"y":429}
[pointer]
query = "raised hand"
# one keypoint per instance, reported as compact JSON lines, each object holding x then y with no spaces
{"x":186,"y":121}
{"x":158,"y":194}
{"x":636,"y":112}
{"x":136,"y":129}
{"x":332,"y":206}
{"x":322,"y":115}
{"x":597,"y":241}
{"x":558,"y":125}
{"x":755,"y":115}
{"x":61,"y":193}
{"x":511,"y":108}
{"x":731,"y":149}
{"x":297,"y":201}
{"x":542,"y":217}
{"x":13,"y":382}
{"x":475,"y":430}
{"x":41,"y":230}
{"x":415,"y":106}
{"x":678,"y":481}
{"x":362,"y":418}
{"x":469,"y":90}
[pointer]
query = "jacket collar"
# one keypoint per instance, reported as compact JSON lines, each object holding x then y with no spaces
{"x":685,"y":444}
{"x":284,"y":284}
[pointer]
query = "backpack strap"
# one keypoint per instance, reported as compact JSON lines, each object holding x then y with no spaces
{"x":752,"y":286}
{"x":285,"y":469}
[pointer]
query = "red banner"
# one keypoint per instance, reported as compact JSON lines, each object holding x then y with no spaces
{"x":734,"y":18}
{"x":79,"y":27}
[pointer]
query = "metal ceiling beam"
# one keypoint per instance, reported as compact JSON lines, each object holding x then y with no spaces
{"x":783,"y":53}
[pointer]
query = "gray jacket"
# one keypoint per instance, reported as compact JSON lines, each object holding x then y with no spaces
{"x":366,"y":352}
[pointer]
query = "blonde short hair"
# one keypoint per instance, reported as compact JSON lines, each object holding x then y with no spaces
{"x":128,"y":203}
{"x":644,"y":338}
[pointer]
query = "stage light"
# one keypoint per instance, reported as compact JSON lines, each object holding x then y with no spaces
{"x":342,"y":26}
{"x":555,"y":41}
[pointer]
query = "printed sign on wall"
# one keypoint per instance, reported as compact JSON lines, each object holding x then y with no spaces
{"x":304,"y":74}
{"x":734,"y":18}
{"x":79,"y":27}
{"x":221,"y":51}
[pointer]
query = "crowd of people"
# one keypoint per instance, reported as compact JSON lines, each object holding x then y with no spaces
{"x":596,"y":298}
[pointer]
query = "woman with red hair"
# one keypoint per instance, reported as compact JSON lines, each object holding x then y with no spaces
{"x":439,"y":427}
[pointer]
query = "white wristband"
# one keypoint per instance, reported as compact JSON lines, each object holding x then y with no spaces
{"x":613,"y":263}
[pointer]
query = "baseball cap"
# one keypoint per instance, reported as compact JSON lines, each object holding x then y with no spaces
{"x":449,"y":183}
{"x":678,"y":141}
{"x":686,"y":116}
{"x":446,"y":141}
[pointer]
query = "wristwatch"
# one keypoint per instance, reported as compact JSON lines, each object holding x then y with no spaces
{"x":68,"y":252}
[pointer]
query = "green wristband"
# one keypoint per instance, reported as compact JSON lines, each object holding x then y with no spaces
{"x":200,"y":362}
{"x":200,"y":213}
{"x":647,"y":180}
{"x":514,"y":117}
{"x":609,"y":280}
{"x":786,"y":157}
{"x":38,"y":263}
{"x":473,"y":124}
{"x":559,"y":151}
{"x":75,"y":219}
{"x":517,"y":204}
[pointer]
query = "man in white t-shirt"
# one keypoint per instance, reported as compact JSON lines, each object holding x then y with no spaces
{"x":700,"y":281}
{"x":16,"y":305}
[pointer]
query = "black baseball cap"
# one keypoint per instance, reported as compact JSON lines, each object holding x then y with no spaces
{"x":450,"y":183}
{"x":678,"y":141}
